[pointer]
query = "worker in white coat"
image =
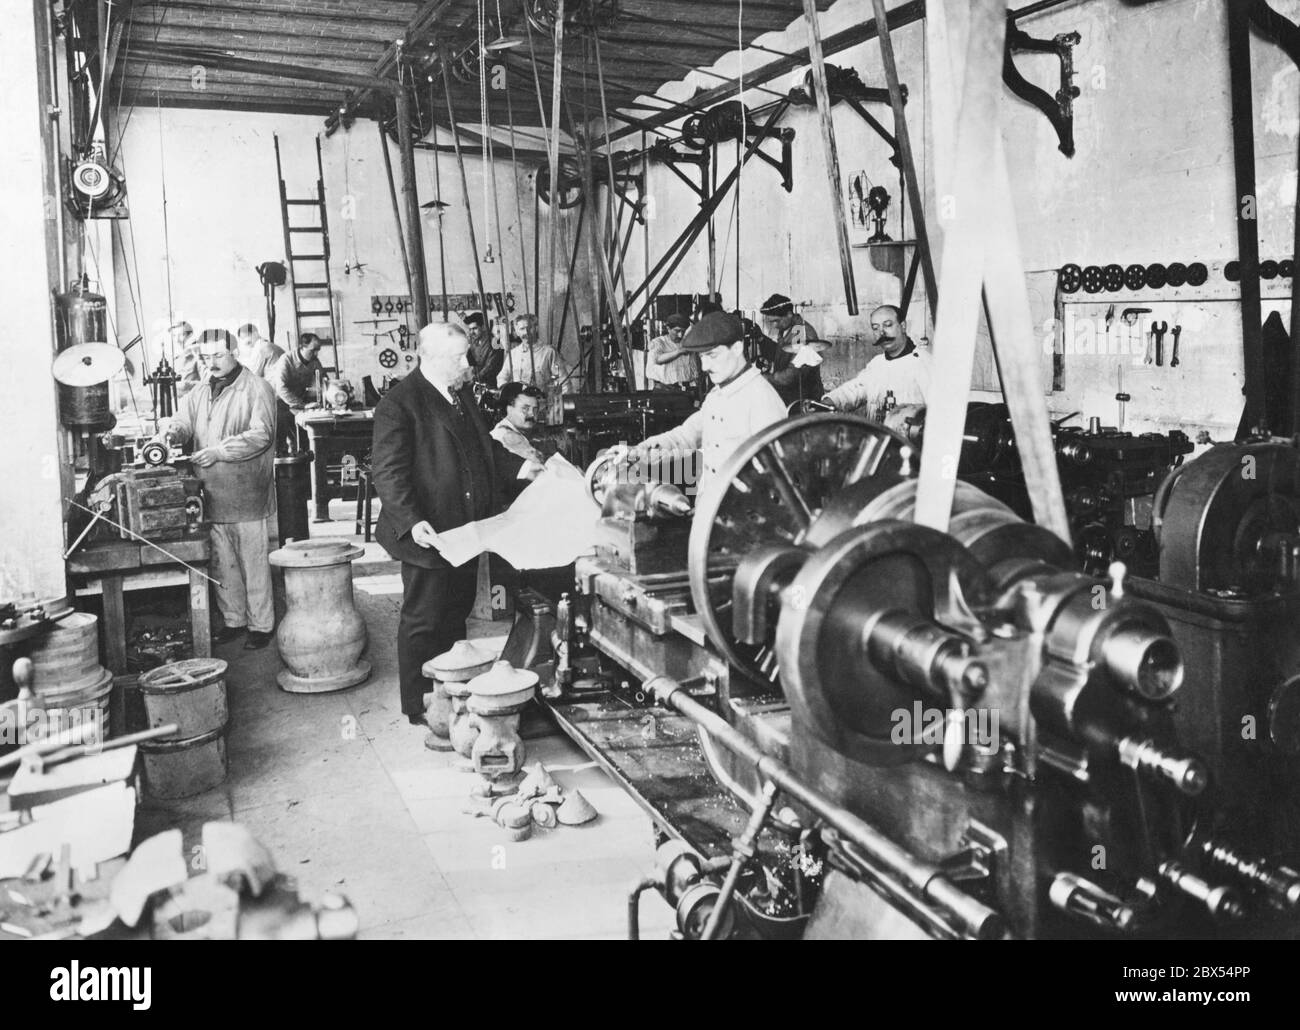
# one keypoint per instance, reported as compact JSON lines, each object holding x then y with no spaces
{"x":894,"y":385}
{"x":740,"y":404}
{"x":229,"y":421}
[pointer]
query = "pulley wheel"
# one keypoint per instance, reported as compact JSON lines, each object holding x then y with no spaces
{"x":1176,"y":274}
{"x":1232,"y":271}
{"x":771,"y":491}
{"x":1135,"y":277}
{"x":693,"y":132}
{"x":1156,"y":276}
{"x":1093,"y":279}
{"x":1070,"y":278}
{"x":1113,"y":278}
{"x":153,"y":454}
{"x":1286,"y":268}
{"x":388,"y":358}
{"x":1197,"y":274}
{"x":1268,"y":269}
{"x":570,"y":192}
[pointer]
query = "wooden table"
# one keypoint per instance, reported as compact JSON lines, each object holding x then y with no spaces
{"x":112,"y":567}
{"x":340,"y":443}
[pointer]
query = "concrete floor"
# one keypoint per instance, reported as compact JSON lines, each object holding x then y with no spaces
{"x":341,"y":790}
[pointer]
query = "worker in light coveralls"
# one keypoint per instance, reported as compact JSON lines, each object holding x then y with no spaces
{"x":740,"y":404}
{"x":229,"y":421}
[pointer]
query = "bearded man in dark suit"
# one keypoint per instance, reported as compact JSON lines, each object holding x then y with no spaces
{"x":435,"y":467}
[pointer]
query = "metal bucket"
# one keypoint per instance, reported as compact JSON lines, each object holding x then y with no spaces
{"x":191,"y":693}
{"x":66,"y":659}
{"x":183,"y":768}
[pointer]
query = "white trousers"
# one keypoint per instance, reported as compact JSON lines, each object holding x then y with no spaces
{"x":240,"y":565}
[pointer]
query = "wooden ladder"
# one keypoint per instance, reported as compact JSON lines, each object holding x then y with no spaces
{"x":311,"y":289}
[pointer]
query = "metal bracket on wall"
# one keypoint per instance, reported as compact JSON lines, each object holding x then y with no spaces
{"x":1059,"y":108}
{"x":718,"y":125}
{"x":846,"y":85}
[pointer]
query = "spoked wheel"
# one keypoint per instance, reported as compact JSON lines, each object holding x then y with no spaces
{"x":776,"y":486}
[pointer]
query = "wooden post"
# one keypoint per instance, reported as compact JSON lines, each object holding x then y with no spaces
{"x":904,"y":141}
{"x":832,"y":155}
{"x":981,"y":249}
{"x":414,"y":234}
{"x":1243,"y":156}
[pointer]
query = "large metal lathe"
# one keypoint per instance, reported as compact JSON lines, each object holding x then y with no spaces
{"x":954,"y":735}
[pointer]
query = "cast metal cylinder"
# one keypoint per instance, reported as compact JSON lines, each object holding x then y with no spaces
{"x":322,"y":635}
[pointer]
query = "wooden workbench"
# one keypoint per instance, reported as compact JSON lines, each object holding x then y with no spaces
{"x":112,"y":567}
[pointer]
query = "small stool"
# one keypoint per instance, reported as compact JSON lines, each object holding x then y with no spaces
{"x":365,"y":493}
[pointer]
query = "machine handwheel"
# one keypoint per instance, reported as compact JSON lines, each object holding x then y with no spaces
{"x":776,"y":484}
{"x":388,"y":358}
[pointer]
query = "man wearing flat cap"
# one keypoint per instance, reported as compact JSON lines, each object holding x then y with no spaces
{"x":798,"y":352}
{"x":667,"y":367}
{"x":740,"y":404}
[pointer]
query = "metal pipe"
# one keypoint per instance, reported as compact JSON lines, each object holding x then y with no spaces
{"x":56,"y":158}
{"x":634,"y":906}
{"x":922,"y":879}
{"x":437,"y":189}
{"x":415,"y":241}
{"x":397,"y":209}
{"x":742,"y":855}
{"x":464,"y":185}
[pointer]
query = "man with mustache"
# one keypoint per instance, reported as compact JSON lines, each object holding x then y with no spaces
{"x":520,"y":403}
{"x":435,"y":468}
{"x":902,"y":369}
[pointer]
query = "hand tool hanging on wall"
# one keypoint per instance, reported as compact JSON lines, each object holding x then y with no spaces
{"x":1158,"y":330}
{"x":1178,"y":332}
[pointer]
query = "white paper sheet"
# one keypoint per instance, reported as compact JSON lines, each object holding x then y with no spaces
{"x":551,"y":523}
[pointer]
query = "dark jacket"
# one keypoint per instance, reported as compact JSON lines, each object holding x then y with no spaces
{"x":487,"y":362}
{"x":430,"y":464}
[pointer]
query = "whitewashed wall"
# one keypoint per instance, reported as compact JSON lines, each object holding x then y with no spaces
{"x":223,"y":220}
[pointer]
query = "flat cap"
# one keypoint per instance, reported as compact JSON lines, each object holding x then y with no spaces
{"x":776,"y":303}
{"x":710,"y":331}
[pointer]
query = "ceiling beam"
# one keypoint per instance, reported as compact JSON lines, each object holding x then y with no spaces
{"x":275,"y":69}
{"x":218,"y":36}
{"x":211,"y":10}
